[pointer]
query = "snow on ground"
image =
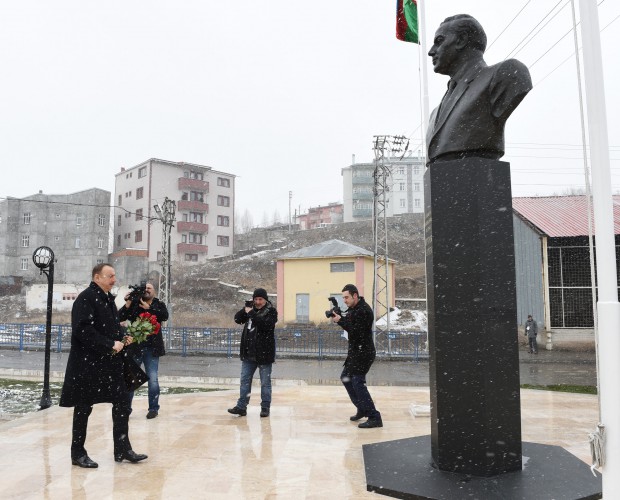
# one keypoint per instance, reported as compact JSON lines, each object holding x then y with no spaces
{"x":413,"y":320}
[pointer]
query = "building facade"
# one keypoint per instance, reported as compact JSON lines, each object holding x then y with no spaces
{"x":75,"y":226}
{"x":204,"y":222}
{"x":405,"y":194}
{"x":321,"y":216}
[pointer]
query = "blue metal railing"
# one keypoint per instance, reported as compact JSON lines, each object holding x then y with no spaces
{"x":293,"y":340}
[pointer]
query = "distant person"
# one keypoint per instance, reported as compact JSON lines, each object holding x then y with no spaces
{"x":531,"y":330}
{"x":357,"y":321}
{"x":95,"y":368}
{"x":149,"y":351}
{"x":470,"y":120}
{"x":258,"y":350}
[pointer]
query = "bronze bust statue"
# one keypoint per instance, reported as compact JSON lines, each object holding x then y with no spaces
{"x":471,"y":116}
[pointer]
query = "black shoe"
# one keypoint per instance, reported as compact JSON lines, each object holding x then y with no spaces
{"x":84,"y":461}
{"x":152,"y":414}
{"x":237,"y":411}
{"x":358,"y":416}
{"x":264,"y":412}
{"x":130,"y":456}
{"x":371,"y":422}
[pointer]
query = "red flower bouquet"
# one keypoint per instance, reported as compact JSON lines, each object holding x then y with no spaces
{"x":144,"y":326}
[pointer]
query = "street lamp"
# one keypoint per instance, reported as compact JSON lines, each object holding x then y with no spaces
{"x":43,"y":258}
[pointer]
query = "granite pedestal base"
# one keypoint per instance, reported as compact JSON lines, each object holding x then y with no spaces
{"x":402,"y":469}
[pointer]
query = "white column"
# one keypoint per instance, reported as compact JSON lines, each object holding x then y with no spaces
{"x":608,"y":307}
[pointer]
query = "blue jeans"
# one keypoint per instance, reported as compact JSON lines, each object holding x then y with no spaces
{"x":151,"y":365}
{"x":248,"y":368}
{"x":355,"y":384}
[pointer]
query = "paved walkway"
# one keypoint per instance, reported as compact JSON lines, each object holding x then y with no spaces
{"x":545,"y":368}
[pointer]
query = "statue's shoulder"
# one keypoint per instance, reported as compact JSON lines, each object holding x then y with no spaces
{"x":512,"y":72}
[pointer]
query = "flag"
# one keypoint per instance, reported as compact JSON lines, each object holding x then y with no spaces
{"x":407,"y":20}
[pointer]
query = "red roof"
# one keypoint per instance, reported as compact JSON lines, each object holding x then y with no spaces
{"x":559,"y":216}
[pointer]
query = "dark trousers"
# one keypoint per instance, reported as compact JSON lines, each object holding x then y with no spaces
{"x":355,"y":384}
{"x":533,"y":344}
{"x":120,"y":427}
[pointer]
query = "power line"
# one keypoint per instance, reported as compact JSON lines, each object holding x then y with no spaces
{"x":508,"y":25}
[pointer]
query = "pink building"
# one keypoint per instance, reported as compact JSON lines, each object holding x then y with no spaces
{"x":321,"y":216}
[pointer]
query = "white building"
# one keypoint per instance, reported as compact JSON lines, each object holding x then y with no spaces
{"x":205,"y":200}
{"x":406,"y":188}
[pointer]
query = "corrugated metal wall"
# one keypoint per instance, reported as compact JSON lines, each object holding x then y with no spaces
{"x":528,"y":267}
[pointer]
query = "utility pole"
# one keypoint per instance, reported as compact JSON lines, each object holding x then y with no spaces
{"x":166,"y":214}
{"x":385,"y":147}
{"x":290,"y":197}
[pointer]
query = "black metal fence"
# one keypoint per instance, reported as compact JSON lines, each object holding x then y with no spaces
{"x":290,"y":341}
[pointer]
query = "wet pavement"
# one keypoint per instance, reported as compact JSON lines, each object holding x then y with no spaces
{"x":544,"y":368}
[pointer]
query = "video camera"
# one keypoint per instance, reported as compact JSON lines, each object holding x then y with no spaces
{"x":137,"y":291}
{"x":334,"y":310}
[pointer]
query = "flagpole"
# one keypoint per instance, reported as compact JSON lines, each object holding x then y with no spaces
{"x":423,"y":60}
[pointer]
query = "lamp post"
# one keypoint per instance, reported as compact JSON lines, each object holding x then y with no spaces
{"x":43,"y":258}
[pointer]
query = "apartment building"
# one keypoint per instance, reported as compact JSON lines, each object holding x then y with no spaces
{"x":205,"y":200}
{"x":405,"y":194}
{"x":75,"y":226}
{"x":321,"y":216}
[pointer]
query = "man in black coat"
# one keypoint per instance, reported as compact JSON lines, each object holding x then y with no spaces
{"x":149,"y":351}
{"x":357,"y":322}
{"x":95,"y":368}
{"x":258,"y":350}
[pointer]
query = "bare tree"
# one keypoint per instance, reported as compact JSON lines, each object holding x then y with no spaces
{"x":247,"y":222}
{"x":276,"y":217}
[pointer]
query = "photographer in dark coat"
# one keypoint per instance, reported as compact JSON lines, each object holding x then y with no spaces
{"x":357,"y":322}
{"x":95,"y":368}
{"x":258,"y":350}
{"x":149,"y":351}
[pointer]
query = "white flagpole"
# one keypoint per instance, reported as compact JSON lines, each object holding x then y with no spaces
{"x":423,"y":60}
{"x":608,"y":306}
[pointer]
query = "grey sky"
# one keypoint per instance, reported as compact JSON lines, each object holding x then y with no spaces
{"x":279,"y":93}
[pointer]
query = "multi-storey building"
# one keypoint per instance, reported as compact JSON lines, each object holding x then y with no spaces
{"x":75,"y":226}
{"x":204,"y":211}
{"x":405,"y":194}
{"x":321,"y":216}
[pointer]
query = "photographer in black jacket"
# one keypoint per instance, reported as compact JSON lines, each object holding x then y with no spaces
{"x":149,"y":351}
{"x":258,"y":350}
{"x":357,"y":322}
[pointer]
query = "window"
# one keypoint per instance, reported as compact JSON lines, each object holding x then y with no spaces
{"x":120,"y":200}
{"x":223,"y":201}
{"x":99,"y":261}
{"x":159,"y":256}
{"x":416,"y":170}
{"x":223,"y":220}
{"x":139,"y":193}
{"x":401,"y":170}
{"x":195,"y":238}
{"x":342,"y":267}
{"x":222,"y":241}
{"x":197,"y":196}
{"x":120,"y":218}
{"x":99,"y":242}
{"x":416,"y":186}
{"x":127,"y":215}
{"x":416,"y":202}
{"x":78,"y":220}
{"x":77,"y":242}
{"x":141,"y":173}
{"x":101,"y":220}
{"x":118,"y":240}
{"x":25,"y":240}
{"x":194,"y":217}
{"x":401,"y":186}
{"x":26,"y":217}
{"x":196,"y":175}
{"x":24,"y":263}
{"x":222,"y":181}
{"x":402,"y":203}
{"x":138,"y":214}
{"x":128,"y":194}
{"x":183,"y":238}
{"x":191,"y":257}
{"x":138,"y":237}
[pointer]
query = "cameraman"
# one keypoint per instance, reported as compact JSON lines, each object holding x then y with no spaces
{"x":357,"y":322}
{"x":258,"y":350}
{"x":149,"y":351}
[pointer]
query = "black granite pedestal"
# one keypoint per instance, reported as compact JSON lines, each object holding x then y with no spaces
{"x":402,"y":469}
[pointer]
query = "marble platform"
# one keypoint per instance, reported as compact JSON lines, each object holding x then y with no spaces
{"x":307,"y":448}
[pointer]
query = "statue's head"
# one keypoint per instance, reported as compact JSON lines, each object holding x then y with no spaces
{"x":456,"y":36}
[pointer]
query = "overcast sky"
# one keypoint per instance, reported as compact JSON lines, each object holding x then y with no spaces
{"x":279,"y":93}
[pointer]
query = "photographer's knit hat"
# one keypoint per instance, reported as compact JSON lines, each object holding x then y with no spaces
{"x":260,"y":292}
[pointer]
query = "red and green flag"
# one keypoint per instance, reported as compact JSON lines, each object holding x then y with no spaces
{"x":407,"y":20}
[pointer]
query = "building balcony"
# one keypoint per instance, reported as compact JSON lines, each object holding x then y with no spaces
{"x":192,"y":227}
{"x":362,"y":196}
{"x":362,"y":212}
{"x":192,"y":205}
{"x":185,"y":183}
{"x":363,"y":180}
{"x":183,"y":248}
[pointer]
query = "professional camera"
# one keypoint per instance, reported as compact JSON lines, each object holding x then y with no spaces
{"x":137,"y":291}
{"x":334,"y":310}
{"x":249,"y":303}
